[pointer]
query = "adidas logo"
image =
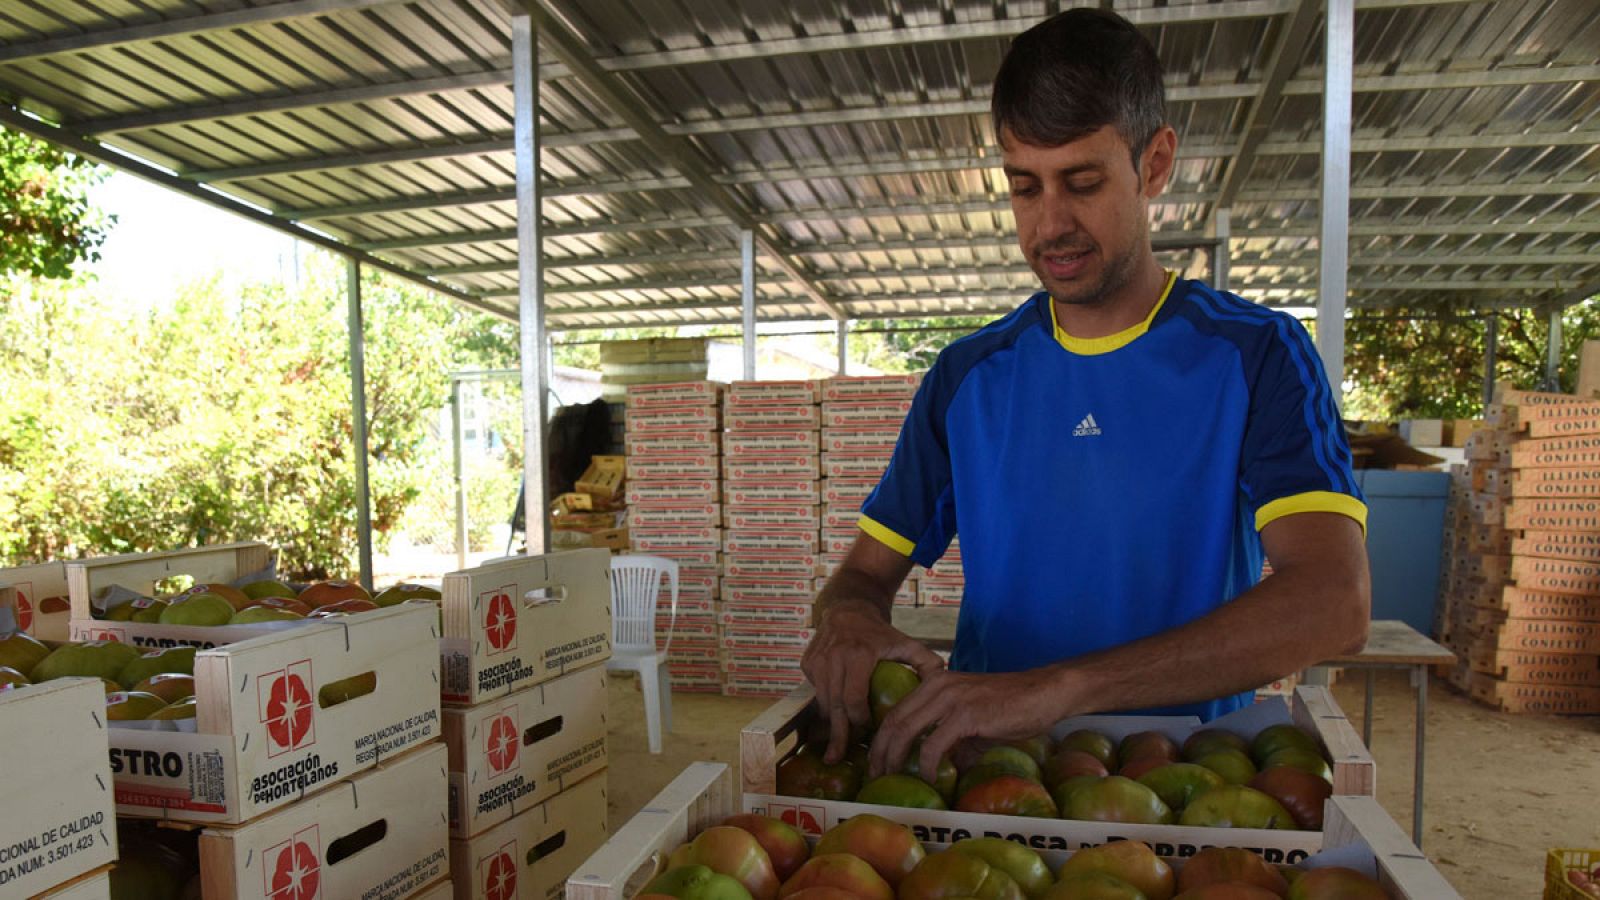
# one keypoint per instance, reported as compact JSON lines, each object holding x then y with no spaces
{"x":1087,"y":428}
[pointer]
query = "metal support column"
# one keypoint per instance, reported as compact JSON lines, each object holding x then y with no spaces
{"x":461,"y":482}
{"x":747,"y":268}
{"x":358,"y":418}
{"x":1223,"y":227}
{"x":844,"y":345}
{"x":1338,"y":79}
{"x":1552,"y":351}
{"x":1491,"y":337}
{"x":530,"y":284}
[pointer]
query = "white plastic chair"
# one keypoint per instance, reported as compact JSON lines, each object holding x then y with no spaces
{"x":635,"y":585}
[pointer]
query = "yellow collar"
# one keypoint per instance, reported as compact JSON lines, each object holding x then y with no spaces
{"x":1099,"y":345}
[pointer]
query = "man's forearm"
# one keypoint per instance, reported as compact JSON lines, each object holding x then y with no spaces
{"x":1291,"y":620}
{"x":849,"y":587}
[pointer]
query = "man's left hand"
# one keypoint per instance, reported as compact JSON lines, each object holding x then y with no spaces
{"x":960,"y":705}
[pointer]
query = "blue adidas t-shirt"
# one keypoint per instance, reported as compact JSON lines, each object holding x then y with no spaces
{"x":1108,"y":489}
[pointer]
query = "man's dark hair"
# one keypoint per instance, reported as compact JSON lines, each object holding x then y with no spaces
{"x":1075,"y":73}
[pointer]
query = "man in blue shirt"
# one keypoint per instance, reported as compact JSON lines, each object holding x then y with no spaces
{"x":1116,"y":454}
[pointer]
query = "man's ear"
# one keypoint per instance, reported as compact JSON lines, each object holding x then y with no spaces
{"x":1155,"y":164}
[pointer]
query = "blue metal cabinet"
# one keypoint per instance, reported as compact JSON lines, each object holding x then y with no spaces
{"x":1405,"y":531}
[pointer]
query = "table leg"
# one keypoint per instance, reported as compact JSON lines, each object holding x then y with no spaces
{"x":1422,"y":724}
{"x":1366,"y":718}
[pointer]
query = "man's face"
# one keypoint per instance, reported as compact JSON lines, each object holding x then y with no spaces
{"x":1081,"y":211}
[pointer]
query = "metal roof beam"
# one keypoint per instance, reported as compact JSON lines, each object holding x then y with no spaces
{"x":1293,"y":41}
{"x":252,"y":106}
{"x":497,"y":235}
{"x":91,"y":150}
{"x":585,"y":262}
{"x":150,"y":31}
{"x":1435,"y":81}
{"x":683,"y":157}
{"x":1240,"y":233}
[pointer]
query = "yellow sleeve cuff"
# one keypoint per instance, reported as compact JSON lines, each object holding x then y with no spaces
{"x":886,"y":536}
{"x":1313,"y":501}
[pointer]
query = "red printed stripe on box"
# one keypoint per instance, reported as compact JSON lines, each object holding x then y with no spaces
{"x":848,"y":413}
{"x":756,"y":393}
{"x":696,"y":490}
{"x":770,"y":443}
{"x":796,"y":467}
{"x":862,"y":387}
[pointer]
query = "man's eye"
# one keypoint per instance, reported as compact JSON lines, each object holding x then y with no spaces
{"x":1024,"y":190}
{"x":1084,"y":187}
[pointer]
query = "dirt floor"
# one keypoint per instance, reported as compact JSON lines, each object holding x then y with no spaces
{"x":1501,"y":789}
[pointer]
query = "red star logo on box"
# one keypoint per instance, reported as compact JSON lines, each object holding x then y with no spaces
{"x":500,"y":744}
{"x":499,"y":875}
{"x":292,"y":871}
{"x":500,"y":619}
{"x":286,"y":708}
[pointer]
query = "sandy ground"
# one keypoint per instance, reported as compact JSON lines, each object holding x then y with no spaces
{"x":1501,"y":789}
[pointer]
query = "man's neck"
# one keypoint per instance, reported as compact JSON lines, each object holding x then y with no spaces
{"x":1119,"y":311}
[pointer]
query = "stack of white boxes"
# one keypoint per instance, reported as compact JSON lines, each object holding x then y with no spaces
{"x":771,"y":514}
{"x":673,"y":442}
{"x":861,"y":419}
{"x":943,"y":584}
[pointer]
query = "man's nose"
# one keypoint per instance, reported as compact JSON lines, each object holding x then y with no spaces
{"x":1056,"y":219}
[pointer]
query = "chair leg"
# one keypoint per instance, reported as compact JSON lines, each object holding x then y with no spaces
{"x":650,"y":683}
{"x":665,"y":678}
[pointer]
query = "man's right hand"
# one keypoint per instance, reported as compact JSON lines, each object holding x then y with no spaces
{"x":852,"y":636}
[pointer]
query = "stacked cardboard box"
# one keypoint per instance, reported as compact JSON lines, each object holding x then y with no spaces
{"x":527,"y":738}
{"x":861,"y":420}
{"x":674,"y":446}
{"x":624,"y":364}
{"x":1522,"y":563}
{"x":772,"y":515}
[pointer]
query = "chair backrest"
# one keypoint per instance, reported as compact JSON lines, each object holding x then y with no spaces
{"x":635,"y":586}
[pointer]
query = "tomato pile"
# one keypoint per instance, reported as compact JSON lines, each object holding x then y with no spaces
{"x":1276,"y":779}
{"x":868,"y":857}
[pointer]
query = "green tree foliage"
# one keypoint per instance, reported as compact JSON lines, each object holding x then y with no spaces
{"x":47,"y":225}
{"x":221,"y":417}
{"x":1405,"y":364}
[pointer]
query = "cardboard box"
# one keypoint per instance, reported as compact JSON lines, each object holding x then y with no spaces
{"x":1526,"y":603}
{"x":270,"y":729}
{"x":672,"y":394}
{"x":659,"y":443}
{"x":764,"y":565}
{"x":796,"y":467}
{"x":854,"y":465}
{"x":1548,"y":636}
{"x":769,"y":540}
{"x":1547,"y":699}
{"x":381,"y":833}
{"x":1529,"y":667}
{"x":848,"y":491}
{"x":740,"y":444}
{"x":1553,"y":514}
{"x":676,"y":467}
{"x":646,"y":419}
{"x":42,"y":608}
{"x":869,"y":387}
{"x":663,"y":540}
{"x":687,"y":490}
{"x":865,"y":413}
{"x":1576,"y":546}
{"x":1423,"y":432}
{"x":56,"y":790}
{"x":531,"y":856}
{"x":1557,"y":576}
{"x":760,"y":659}
{"x":772,"y":515}
{"x":785,"y":416}
{"x":515,"y":752}
{"x":756,"y":614}
{"x":748,"y":637}
{"x":759,"y":393}
{"x":878,"y":442}
{"x":761,"y":684}
{"x":771,"y":589}
{"x":1556,"y":482}
{"x":692,"y":559}
{"x":517,"y":622}
{"x":659,"y":514}
{"x":756,"y":493}
{"x":603,"y":478}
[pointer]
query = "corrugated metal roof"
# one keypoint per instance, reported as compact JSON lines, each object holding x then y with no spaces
{"x":854,"y":132}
